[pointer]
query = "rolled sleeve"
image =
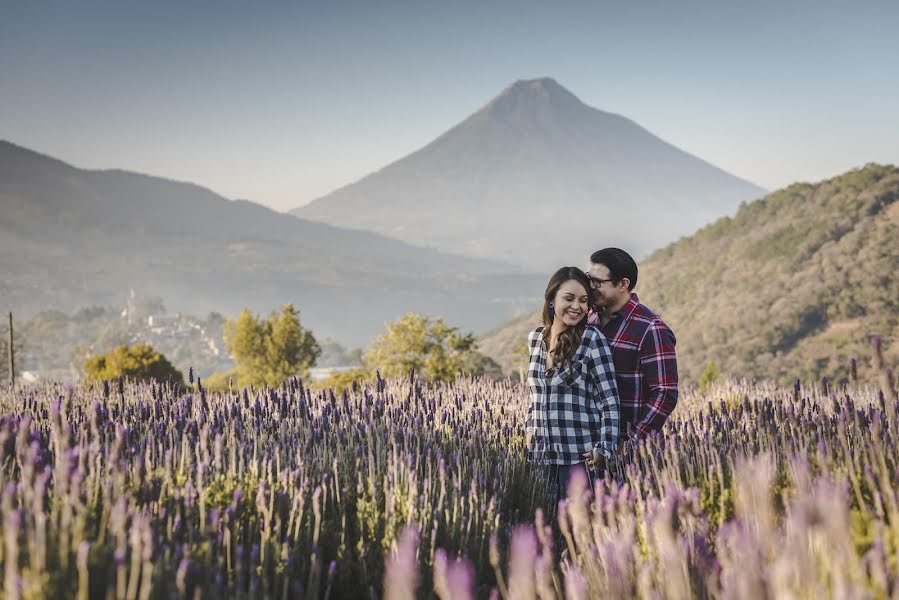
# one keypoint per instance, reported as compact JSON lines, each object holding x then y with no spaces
{"x":658,"y":365}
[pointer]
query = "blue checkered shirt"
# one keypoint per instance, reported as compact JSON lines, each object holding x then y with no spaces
{"x":568,"y":418}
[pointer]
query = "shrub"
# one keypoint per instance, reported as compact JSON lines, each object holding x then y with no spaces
{"x":138,"y":363}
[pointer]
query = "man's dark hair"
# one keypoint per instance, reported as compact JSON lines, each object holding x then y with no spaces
{"x":619,"y":263}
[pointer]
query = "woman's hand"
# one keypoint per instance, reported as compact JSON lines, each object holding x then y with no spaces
{"x":528,"y":436}
{"x":594,"y":459}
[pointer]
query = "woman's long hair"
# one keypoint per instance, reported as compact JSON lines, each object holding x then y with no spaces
{"x":569,"y":340}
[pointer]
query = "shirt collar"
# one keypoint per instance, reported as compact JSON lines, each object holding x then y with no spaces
{"x":628,"y":309}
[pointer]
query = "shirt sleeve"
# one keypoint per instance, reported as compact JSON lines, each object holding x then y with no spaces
{"x":530,"y":422}
{"x":602,"y":373}
{"x":658,"y":364}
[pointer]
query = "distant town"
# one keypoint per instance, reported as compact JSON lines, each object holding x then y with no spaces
{"x":52,"y":345}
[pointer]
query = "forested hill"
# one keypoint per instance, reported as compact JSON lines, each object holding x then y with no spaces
{"x":795,"y":284}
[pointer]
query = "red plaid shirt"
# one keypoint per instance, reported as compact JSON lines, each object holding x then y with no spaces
{"x":645,"y":366}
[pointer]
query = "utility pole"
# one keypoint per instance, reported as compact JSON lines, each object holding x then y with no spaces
{"x":12,"y":356}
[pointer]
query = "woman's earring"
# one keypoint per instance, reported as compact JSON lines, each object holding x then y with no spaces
{"x":552,"y":311}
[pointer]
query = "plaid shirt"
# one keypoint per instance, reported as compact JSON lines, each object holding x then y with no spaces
{"x":568,"y":419}
{"x":645,"y":366}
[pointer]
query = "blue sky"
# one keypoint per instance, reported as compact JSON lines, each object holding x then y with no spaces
{"x":280,"y":103}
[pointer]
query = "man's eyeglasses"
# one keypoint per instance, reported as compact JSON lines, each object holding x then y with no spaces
{"x":596,"y":281}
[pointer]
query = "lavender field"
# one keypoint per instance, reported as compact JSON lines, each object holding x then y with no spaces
{"x":403,"y":489}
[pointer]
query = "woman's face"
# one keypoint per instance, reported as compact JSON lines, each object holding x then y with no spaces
{"x":570,"y":303}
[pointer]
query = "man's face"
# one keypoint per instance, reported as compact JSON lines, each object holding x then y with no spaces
{"x":605,"y":293}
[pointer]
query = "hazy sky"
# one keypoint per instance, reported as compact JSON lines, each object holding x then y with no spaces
{"x":283,"y":102}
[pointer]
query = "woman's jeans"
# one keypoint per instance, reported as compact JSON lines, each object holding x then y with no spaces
{"x":559,"y":476}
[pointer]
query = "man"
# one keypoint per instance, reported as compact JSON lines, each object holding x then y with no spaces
{"x":642,"y":345}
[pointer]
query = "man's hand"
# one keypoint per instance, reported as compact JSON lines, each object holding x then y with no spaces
{"x":528,"y":436}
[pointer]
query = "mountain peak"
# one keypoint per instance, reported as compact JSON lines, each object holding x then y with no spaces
{"x":533,"y":95}
{"x":493,"y":185}
{"x":539,"y":85}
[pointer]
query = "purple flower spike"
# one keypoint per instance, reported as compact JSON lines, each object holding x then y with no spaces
{"x":575,"y":585}
{"x":401,"y":571}
{"x":460,"y":580}
{"x":522,"y":558}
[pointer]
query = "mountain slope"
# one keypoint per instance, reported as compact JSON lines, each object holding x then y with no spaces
{"x":794,"y":284}
{"x":538,"y":178}
{"x":70,"y":237}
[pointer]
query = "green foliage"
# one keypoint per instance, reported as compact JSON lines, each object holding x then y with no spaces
{"x":437,"y":351}
{"x":345,"y":380}
{"x":708,"y":377}
{"x":782,"y":243}
{"x":138,"y":363}
{"x":271,"y":350}
{"x":218,"y":381}
{"x":243,"y":339}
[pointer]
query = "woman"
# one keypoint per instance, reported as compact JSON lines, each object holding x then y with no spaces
{"x":572,"y":419}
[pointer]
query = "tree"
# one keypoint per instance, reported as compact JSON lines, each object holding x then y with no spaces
{"x":243,"y":339}
{"x":435,"y":350}
{"x":290,"y":349}
{"x":269,"y":351}
{"x":138,"y":362}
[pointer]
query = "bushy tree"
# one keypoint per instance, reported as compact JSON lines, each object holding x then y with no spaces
{"x":139,"y":362}
{"x":271,"y":350}
{"x":243,"y":339}
{"x":434,"y":349}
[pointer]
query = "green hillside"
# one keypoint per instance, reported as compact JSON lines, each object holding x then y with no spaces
{"x":795,"y":284}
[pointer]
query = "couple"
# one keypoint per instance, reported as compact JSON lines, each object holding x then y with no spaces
{"x":602,"y":369}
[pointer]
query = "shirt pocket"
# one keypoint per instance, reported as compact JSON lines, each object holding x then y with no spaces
{"x":572,"y":378}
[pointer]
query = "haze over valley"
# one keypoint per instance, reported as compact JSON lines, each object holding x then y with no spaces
{"x":72,"y":237}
